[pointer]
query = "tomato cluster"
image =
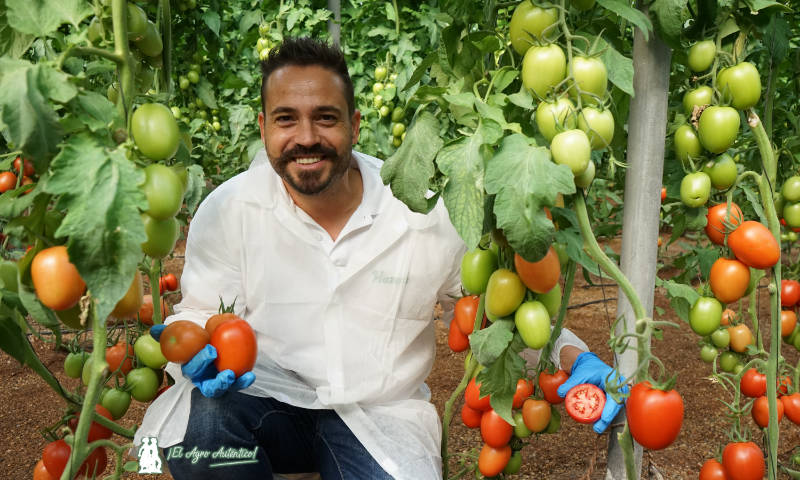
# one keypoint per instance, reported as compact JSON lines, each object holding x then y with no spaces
{"x":21,"y":174}
{"x":386,"y":103}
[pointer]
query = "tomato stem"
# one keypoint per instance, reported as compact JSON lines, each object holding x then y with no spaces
{"x":448,"y":409}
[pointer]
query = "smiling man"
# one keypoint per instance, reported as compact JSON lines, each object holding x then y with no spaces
{"x":338,"y":280}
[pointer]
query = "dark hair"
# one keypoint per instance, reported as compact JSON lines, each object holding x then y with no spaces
{"x":306,"y":51}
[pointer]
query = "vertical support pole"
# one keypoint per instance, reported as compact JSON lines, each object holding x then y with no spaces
{"x":335,"y":23}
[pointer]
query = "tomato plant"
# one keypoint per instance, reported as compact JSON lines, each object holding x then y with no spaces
{"x":654,"y":416}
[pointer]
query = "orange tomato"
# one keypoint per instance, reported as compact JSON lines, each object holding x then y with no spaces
{"x":131,"y":302}
{"x":540,"y":276}
{"x":57,"y":282}
{"x":788,"y":322}
{"x":729,"y":279}
{"x":741,"y":337}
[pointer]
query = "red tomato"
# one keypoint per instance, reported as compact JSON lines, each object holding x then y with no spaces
{"x":473,"y":398}
{"x":218,"y":319}
{"x":743,"y":461}
{"x":783,"y":385}
{"x":464,"y":314}
{"x":57,"y":282}
{"x":788,"y":322}
{"x":791,"y":405}
{"x":549,"y":384}
{"x":40,"y":472}
{"x":727,"y":315}
{"x":456,"y":340}
{"x":790,"y":292}
{"x":729,"y":279}
{"x":56,"y":456}
{"x":181,"y":340}
{"x":120,"y":358}
{"x":654,"y":416}
{"x":471,"y":417}
{"x":26,"y":167}
{"x":760,"y":411}
{"x":753,"y":384}
{"x":236,"y":346}
{"x":663,"y":193}
{"x":536,"y":414}
{"x":492,"y":461}
{"x":146,"y":310}
{"x":741,"y":337}
{"x":715,"y":228}
{"x":585,"y":402}
{"x":171,"y":282}
{"x":540,"y":276}
{"x":524,"y":390}
{"x":754,"y":245}
{"x":495,"y":431}
{"x":96,"y":431}
{"x":8,"y":181}
{"x":712,"y":470}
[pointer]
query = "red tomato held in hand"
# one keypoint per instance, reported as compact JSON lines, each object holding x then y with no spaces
{"x":790,"y":293}
{"x":585,"y":402}
{"x":712,"y":470}
{"x":471,"y":417}
{"x":549,"y":384}
{"x":753,"y":384}
{"x":754,"y":245}
{"x":743,"y":461}
{"x":492,"y":461}
{"x":464,"y":314}
{"x":181,"y":340}
{"x":495,"y":431}
{"x":456,"y":340}
{"x":654,"y":416}
{"x":760,"y":411}
{"x":524,"y":390}
{"x":236,"y":347}
{"x":474,"y":399}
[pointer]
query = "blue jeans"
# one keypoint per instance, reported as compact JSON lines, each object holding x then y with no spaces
{"x":247,"y":437}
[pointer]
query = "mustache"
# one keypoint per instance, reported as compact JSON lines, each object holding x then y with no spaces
{"x":303,"y":151}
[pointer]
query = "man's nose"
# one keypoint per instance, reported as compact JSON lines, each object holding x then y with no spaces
{"x":307,"y":133}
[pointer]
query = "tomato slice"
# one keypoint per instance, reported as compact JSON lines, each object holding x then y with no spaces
{"x":585,"y":402}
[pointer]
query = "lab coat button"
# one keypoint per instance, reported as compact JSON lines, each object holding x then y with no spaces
{"x":340,"y":262}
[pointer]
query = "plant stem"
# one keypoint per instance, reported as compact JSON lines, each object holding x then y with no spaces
{"x":119,"y":16}
{"x":448,"y":412}
{"x":166,"y":40}
{"x":154,"y":274}
{"x":562,"y":313}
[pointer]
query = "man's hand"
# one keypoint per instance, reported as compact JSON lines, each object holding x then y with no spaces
{"x":588,"y":368}
{"x":204,"y":375}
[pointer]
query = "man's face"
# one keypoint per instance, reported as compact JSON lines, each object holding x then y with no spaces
{"x":306,"y":128}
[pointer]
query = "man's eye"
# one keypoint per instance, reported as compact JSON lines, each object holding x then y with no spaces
{"x":328,"y":118}
{"x":283,"y":119}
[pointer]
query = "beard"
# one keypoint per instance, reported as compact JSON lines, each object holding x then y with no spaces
{"x":312,"y":182}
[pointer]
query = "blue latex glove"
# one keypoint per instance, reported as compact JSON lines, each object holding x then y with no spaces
{"x":211,"y":383}
{"x":156,"y":330}
{"x":588,"y":368}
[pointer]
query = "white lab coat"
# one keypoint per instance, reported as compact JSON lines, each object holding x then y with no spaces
{"x":344,"y":325}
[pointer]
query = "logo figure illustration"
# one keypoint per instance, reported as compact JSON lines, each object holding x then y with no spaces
{"x":149,"y":460}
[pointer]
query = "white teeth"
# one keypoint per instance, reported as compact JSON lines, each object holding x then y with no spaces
{"x":307,"y":161}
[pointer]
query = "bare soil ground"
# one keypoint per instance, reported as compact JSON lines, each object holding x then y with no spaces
{"x":28,"y":405}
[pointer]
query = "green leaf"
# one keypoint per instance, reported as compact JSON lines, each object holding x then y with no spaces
{"x":682,"y":297}
{"x":206,"y":93}
{"x":488,"y":344}
{"x":95,"y":110}
{"x":624,"y":10}
{"x":42,"y":17}
{"x":620,"y":67}
{"x":410,"y":169}
{"x":523,"y":99}
{"x":776,"y":38}
{"x":499,"y":379}
{"x":420,"y":71}
{"x":391,"y":15}
{"x":758,"y":5}
{"x":194,"y":191}
{"x":669,"y":14}
{"x":100,"y":191}
{"x":26,"y":115}
{"x":525,"y":180}
{"x":240,"y":117}
{"x":212,"y":20}
{"x":249,"y":19}
{"x":43,"y":315}
{"x":12,"y":42}
{"x":462,"y":161}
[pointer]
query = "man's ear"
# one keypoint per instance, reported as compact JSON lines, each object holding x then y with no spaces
{"x":261,"y":125}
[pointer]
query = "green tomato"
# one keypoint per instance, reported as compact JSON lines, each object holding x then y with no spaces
{"x":183,"y":82}
{"x":533,"y":324}
{"x":112,"y":93}
{"x":728,"y":361}
{"x":705,"y":315}
{"x":384,"y":111}
{"x":263,"y":29}
{"x":377,"y":88}
{"x":722,"y":172}
{"x":155,"y":131}
{"x":163,"y":190}
{"x":476,"y":267}
{"x":504,"y":293}
{"x":717,"y":128}
{"x":161,"y":236}
{"x":116,"y":401}
{"x":701,"y":55}
{"x":514,"y":463}
{"x":543,"y":68}
{"x":699,"y":96}
{"x":377,"y":101}
{"x":695,"y":189}
{"x":176,"y":112}
{"x":73,"y":363}
{"x":216,"y":126}
{"x":708,"y":353}
{"x":551,"y":299}
{"x":573,"y":149}
{"x":396,"y":142}
{"x":790,"y":191}
{"x":583,"y":5}
{"x":389,"y":91}
{"x":591,"y":77}
{"x":528,"y":24}
{"x":520,"y":430}
{"x":398,"y":114}
{"x":741,"y":84}
{"x":792,"y":236}
{"x":86,"y":371}
{"x":791,"y":213}
{"x":687,"y":145}
{"x":143,"y":383}
{"x":398,"y":129}
{"x":150,"y":44}
{"x":137,"y":22}
{"x":585,"y":178}
{"x":563,"y":256}
{"x":598,"y":125}
{"x":380,"y":73}
{"x":193,"y":76}
{"x":555,"y":421}
{"x":721,"y":338}
{"x":552,"y":115}
{"x":261,"y":44}
{"x":148,"y":350}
